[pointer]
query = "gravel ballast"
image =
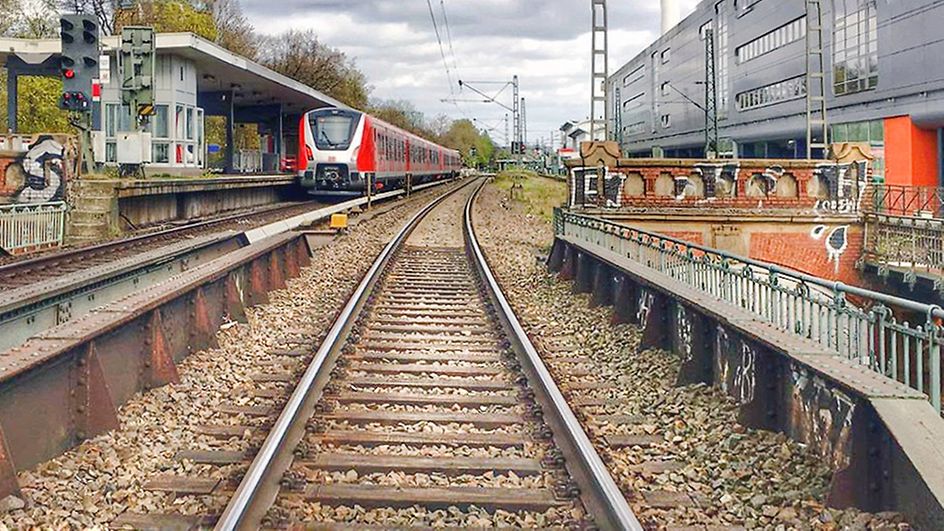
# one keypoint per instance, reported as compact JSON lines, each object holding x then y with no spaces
{"x":729,"y":476}
{"x":92,"y":484}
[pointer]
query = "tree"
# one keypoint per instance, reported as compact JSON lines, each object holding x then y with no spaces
{"x":302,"y":57}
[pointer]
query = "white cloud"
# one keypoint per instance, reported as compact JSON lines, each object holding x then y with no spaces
{"x":547,"y":44}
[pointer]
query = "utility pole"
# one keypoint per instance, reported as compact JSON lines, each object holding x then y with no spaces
{"x":516,"y":116}
{"x":817,"y":124}
{"x":598,"y":78}
{"x":711,"y":97}
{"x":515,"y":139}
{"x":524,"y":126}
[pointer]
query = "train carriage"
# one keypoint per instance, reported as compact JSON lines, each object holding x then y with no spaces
{"x":340,"y":149}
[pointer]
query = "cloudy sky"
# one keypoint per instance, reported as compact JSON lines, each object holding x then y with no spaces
{"x":545,"y":42}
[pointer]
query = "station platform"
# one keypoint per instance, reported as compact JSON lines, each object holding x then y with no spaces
{"x":106,"y":208}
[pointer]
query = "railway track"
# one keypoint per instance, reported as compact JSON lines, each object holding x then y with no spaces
{"x":426,"y":404}
{"x":24,"y":272}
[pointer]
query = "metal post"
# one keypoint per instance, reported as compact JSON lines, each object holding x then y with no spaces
{"x":12,"y":85}
{"x":711,"y":97}
{"x":817,"y":126}
{"x":598,"y":79}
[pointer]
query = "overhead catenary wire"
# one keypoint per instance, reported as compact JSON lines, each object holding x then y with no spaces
{"x":442,"y":50}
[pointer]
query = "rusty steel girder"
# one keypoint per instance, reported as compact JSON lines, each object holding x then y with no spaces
{"x":65,"y":385}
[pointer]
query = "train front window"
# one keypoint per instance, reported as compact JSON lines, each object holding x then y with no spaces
{"x":333,"y":132}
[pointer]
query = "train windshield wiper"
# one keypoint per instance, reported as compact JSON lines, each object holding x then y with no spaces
{"x":328,"y":140}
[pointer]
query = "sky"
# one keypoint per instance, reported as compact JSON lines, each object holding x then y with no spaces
{"x":545,"y":42}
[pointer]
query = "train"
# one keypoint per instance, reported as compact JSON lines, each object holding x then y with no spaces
{"x":341,"y":150}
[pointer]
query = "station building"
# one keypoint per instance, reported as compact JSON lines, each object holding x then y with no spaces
{"x":884,"y":84}
{"x":194,"y":79}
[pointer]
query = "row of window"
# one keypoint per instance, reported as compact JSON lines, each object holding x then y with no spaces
{"x":390,"y":147}
{"x":855,"y":46}
{"x":786,"y":90}
{"x":778,"y":38}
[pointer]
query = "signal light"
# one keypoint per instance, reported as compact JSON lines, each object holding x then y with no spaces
{"x":68,"y":73}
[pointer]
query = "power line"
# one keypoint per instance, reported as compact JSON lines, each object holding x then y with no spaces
{"x":442,"y":51}
{"x":452,"y":51}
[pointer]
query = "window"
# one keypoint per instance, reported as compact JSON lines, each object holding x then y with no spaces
{"x":786,"y":90}
{"x":160,"y":152}
{"x":666,"y":55}
{"x":191,"y":133}
{"x":179,"y":122}
{"x":703,"y":30}
{"x":776,"y":39}
{"x":159,"y":123}
{"x":855,"y":46}
{"x":871,"y":132}
{"x":634,"y":76}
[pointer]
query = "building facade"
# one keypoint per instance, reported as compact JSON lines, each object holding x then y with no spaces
{"x":884,"y":83}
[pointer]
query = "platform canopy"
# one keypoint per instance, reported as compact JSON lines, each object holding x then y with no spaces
{"x":218,"y":69}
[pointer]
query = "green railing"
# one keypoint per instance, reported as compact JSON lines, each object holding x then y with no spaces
{"x":27,"y":226}
{"x":858,"y":324}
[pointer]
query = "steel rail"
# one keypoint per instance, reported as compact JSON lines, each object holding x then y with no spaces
{"x":599,"y":492}
{"x":255,"y":493}
{"x":70,"y":254}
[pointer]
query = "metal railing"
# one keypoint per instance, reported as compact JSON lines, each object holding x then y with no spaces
{"x":909,"y":243}
{"x":25,"y":226}
{"x":861,"y":325}
{"x":898,"y":200}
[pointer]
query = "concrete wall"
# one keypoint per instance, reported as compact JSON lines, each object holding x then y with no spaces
{"x":37,"y":168}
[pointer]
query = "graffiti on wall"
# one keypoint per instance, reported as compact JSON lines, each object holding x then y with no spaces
{"x":684,"y":329}
{"x":844,"y":184}
{"x":38,"y":173}
{"x":737,"y":366}
{"x":821,"y":417}
{"x":646,"y":301}
{"x":720,"y":180}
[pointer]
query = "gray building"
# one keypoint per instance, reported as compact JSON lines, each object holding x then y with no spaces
{"x":884,"y":81}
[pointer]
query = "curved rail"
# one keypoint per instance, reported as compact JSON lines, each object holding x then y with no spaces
{"x":260,"y":483}
{"x":599,"y":492}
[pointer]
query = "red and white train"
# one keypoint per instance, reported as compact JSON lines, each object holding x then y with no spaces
{"x":338,"y":149}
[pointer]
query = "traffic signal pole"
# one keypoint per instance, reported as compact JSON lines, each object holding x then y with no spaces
{"x":79,"y":35}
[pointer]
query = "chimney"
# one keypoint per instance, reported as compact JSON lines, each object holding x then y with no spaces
{"x":670,"y":15}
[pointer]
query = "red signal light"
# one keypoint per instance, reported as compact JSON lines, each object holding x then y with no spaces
{"x":68,"y":73}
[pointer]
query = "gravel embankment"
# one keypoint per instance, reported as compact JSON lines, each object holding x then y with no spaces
{"x":95,"y":482}
{"x":734,"y":477}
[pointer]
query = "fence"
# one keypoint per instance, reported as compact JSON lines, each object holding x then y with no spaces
{"x":911,"y":243}
{"x":29,"y":226}
{"x":918,"y":201}
{"x":869,"y":333}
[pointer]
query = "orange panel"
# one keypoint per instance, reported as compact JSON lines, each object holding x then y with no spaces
{"x":910,"y":153}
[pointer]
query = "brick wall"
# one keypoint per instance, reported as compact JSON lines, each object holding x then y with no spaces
{"x":689,"y":236}
{"x":814,"y":255}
